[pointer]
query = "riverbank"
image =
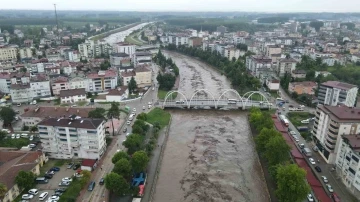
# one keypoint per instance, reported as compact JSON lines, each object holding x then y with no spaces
{"x":106,"y":34}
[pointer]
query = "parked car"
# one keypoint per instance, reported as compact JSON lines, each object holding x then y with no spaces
{"x":76,"y":166}
{"x":329,"y":188}
{"x":67,"y":183}
{"x":305,"y":121}
{"x":317,"y":168}
{"x":48,"y":176}
{"x":91,"y":186}
{"x":301,"y":145}
{"x":18,"y":104}
{"x":312,"y":161}
{"x":43,"y":196}
{"x":17,"y":136}
{"x":13,"y":136}
{"x":54,"y":197}
{"x":302,"y":106}
{"x":32,"y":145}
{"x":60,"y":190}
{"x":66,"y":179}
{"x":57,"y":194}
{"x":70,"y":165}
{"x":144,"y":107}
{"x":335,"y":197}
{"x":50,"y":172}
{"x":102,"y":181}
{"x":33,"y":191}
{"x":134,"y":110}
{"x":125,"y":130}
{"x":27,"y":196}
{"x":324,"y":178}
{"x":310,"y":197}
{"x":31,"y":138}
{"x":128,"y":123}
{"x":78,"y":175}
{"x":56,"y":169}
{"x":292,"y":133}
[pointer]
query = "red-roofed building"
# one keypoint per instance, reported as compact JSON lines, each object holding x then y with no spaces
{"x":334,"y":93}
{"x":89,"y":164}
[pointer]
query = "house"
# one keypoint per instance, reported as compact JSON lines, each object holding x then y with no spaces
{"x":117,"y":95}
{"x":126,"y":77}
{"x":72,"y":95}
{"x":195,"y":41}
{"x":305,"y":87}
{"x":12,"y":162}
{"x":37,"y":114}
{"x":298,"y":74}
{"x":286,"y":66}
{"x":73,"y":137}
{"x":334,"y":93}
{"x":89,"y":164}
{"x":273,"y":84}
{"x":323,"y":73}
{"x":143,"y":75}
{"x":332,"y":123}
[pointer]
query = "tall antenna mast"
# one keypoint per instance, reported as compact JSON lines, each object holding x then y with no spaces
{"x":57,"y":24}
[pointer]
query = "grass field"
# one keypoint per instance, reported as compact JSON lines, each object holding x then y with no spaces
{"x":158,"y":115}
{"x":297,"y":117}
{"x":162,"y":94}
{"x":132,"y":38}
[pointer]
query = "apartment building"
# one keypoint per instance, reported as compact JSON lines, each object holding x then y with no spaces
{"x":40,"y":86}
{"x":195,"y":41}
{"x":58,"y":84}
{"x":332,"y":122}
{"x":116,"y":58}
{"x":286,"y":66}
{"x":231,"y":53}
{"x":143,"y":75}
{"x":141,"y":58}
{"x":73,"y":137}
{"x":256,"y":62}
{"x":122,"y":47}
{"x":102,"y":81}
{"x":272,"y":49}
{"x":8,"y":52}
{"x":86,"y":49}
{"x":334,"y":93}
{"x":25,"y":53}
{"x":72,"y":95}
{"x":347,"y":162}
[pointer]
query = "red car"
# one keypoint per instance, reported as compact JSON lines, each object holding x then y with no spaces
{"x":335,"y":197}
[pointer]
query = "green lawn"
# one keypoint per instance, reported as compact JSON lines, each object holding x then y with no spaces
{"x":158,"y":115}
{"x":18,"y":143}
{"x":162,"y":94}
{"x":132,"y":40}
{"x":297,"y":117}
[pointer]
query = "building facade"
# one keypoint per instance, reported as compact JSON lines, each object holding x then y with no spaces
{"x":256,"y":62}
{"x":8,"y":53}
{"x":334,"y":93}
{"x":286,"y":66}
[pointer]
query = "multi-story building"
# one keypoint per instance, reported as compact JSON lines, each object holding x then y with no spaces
{"x":5,"y":82}
{"x":231,"y":53}
{"x":73,"y":137}
{"x":21,"y":93}
{"x":126,"y":77}
{"x":72,"y":95}
{"x":272,"y":49}
{"x":331,"y":122}
{"x":299,"y":73}
{"x":8,"y":52}
{"x":25,"y":53}
{"x":72,"y":55}
{"x":102,"y":81}
{"x":334,"y":93}
{"x":122,"y":47}
{"x":116,"y":58}
{"x":58,"y":84}
{"x":86,"y":49}
{"x":141,"y":58}
{"x":40,"y":86}
{"x":53,"y":55}
{"x":143,"y":75}
{"x":256,"y":62}
{"x":79,"y":82}
{"x":348,"y":164}
{"x":286,"y":66}
{"x":195,"y":41}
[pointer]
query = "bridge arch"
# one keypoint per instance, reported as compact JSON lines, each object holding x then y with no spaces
{"x":250,"y":93}
{"x":230,"y":90}
{"x":202,"y":90}
{"x":172,"y":92}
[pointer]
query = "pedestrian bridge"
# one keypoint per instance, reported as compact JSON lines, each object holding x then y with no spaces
{"x":203,"y":98}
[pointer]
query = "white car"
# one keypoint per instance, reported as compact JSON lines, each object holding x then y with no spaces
{"x":77,"y":175}
{"x":305,"y":121}
{"x":6,"y":130}
{"x":27,"y":196}
{"x":149,"y":106}
{"x":134,"y":110}
{"x":296,"y":139}
{"x":18,"y":104}
{"x":127,"y":134}
{"x":31,"y":138}
{"x":119,"y":150}
{"x":67,"y":179}
{"x":33,"y":191}
{"x":324,"y":178}
{"x":128,"y":123}
{"x":144,"y":107}
{"x":329,"y":188}
{"x":32,"y":145}
{"x":292,"y":133}
{"x":310,"y":198}
{"x":302,"y":106}
{"x":150,"y":103}
{"x":17,"y":136}
{"x":55,"y":198}
{"x":62,"y":183}
{"x":312,"y":161}
{"x":133,"y":114}
{"x":13,"y":136}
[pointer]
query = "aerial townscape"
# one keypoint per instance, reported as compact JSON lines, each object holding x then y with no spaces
{"x":104,"y":101}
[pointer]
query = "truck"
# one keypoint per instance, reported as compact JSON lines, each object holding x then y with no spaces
{"x":284,"y":120}
{"x":307,"y":151}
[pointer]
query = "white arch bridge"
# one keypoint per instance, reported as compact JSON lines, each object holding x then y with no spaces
{"x":203,"y":98}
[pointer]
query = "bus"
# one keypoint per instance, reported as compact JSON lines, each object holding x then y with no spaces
{"x":279,"y":99}
{"x":284,"y":120}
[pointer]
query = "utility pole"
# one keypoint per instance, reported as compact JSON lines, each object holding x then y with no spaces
{"x":56,"y":17}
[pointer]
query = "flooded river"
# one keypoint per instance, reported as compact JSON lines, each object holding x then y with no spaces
{"x":210,"y":155}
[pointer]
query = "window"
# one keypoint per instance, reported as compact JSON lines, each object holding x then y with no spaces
{"x":355,"y":159}
{"x":43,"y":128}
{"x":92,"y":131}
{"x":347,"y":158}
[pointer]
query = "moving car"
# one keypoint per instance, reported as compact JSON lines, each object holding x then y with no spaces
{"x":324,"y":178}
{"x":134,"y":110}
{"x":317,"y":168}
{"x":312,"y":161}
{"x":102,"y":181}
{"x":27,"y":196}
{"x":144,"y":107}
{"x":128,"y":123}
{"x":91,"y":186}
{"x":31,"y":138}
{"x":329,"y":188}
{"x":310,"y":197}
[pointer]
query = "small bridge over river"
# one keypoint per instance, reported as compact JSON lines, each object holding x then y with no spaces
{"x":147,"y":47}
{"x":204,"y":99}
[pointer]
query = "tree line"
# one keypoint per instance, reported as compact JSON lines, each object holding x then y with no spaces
{"x":271,"y":145}
{"x":235,"y":70}
{"x":170,"y":71}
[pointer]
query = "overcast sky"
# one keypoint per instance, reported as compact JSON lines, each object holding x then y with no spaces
{"x":190,"y":5}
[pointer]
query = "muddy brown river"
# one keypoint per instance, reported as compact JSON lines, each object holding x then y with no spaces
{"x":210,"y":155}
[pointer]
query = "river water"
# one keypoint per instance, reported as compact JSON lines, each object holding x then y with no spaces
{"x":210,"y":155}
{"x":120,"y":36}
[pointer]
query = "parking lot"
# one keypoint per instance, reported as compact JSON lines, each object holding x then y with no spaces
{"x":53,"y":183}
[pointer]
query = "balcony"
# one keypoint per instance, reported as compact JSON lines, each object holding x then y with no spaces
{"x":334,"y":132}
{"x":331,"y":139}
{"x":334,"y":136}
{"x":329,"y":146}
{"x":334,"y":127}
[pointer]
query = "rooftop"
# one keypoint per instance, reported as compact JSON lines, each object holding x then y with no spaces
{"x":341,"y":113}
{"x":72,"y":92}
{"x":353,"y":141}
{"x":143,"y":53}
{"x":337,"y":84}
{"x":288,"y":60}
{"x":100,"y":74}
{"x":299,"y":71}
{"x":120,"y":91}
{"x":86,"y":123}
{"x":143,"y":68}
{"x":128,"y":74}
{"x":119,"y":55}
{"x":56,"y":112}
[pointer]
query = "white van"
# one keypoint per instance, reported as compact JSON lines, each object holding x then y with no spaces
{"x":24,"y":135}
{"x":43,"y":196}
{"x":131,"y":117}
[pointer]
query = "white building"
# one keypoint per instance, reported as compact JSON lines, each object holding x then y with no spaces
{"x":72,"y":95}
{"x":86,"y":49}
{"x":72,"y":55}
{"x":21,"y":93}
{"x":102,"y":81}
{"x":256,"y":62}
{"x":347,"y":162}
{"x":141,"y":58}
{"x":231,"y":53}
{"x":334,"y":93}
{"x":286,"y":66}
{"x":74,"y":137}
{"x":25,"y":53}
{"x":40,"y":86}
{"x":116,"y":58}
{"x":122,"y":47}
{"x":331,"y":122}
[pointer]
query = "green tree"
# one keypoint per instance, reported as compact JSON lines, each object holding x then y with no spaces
{"x":139,"y":161}
{"x":25,"y":179}
{"x":23,"y":69}
{"x":277,"y":150}
{"x":114,"y":112}
{"x":123,"y":168}
{"x":142,"y":116}
{"x":294,"y":95}
{"x":116,"y":183}
{"x":85,"y":178}
{"x":7,"y":114}
{"x":133,"y":143}
{"x":263,"y":138}
{"x":3,"y":190}
{"x":97,"y":113}
{"x":119,"y":155}
{"x":291,"y":184}
{"x":138,"y":130}
{"x":3,"y":134}
{"x":132,"y":86}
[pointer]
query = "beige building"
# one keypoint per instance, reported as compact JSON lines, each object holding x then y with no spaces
{"x":8,"y":52}
{"x":12,"y":162}
{"x":143,"y":75}
{"x":25,"y":53}
{"x":231,"y":53}
{"x":286,"y":65}
{"x":272,"y":49}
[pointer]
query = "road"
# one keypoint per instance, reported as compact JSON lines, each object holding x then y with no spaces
{"x":99,"y":193}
